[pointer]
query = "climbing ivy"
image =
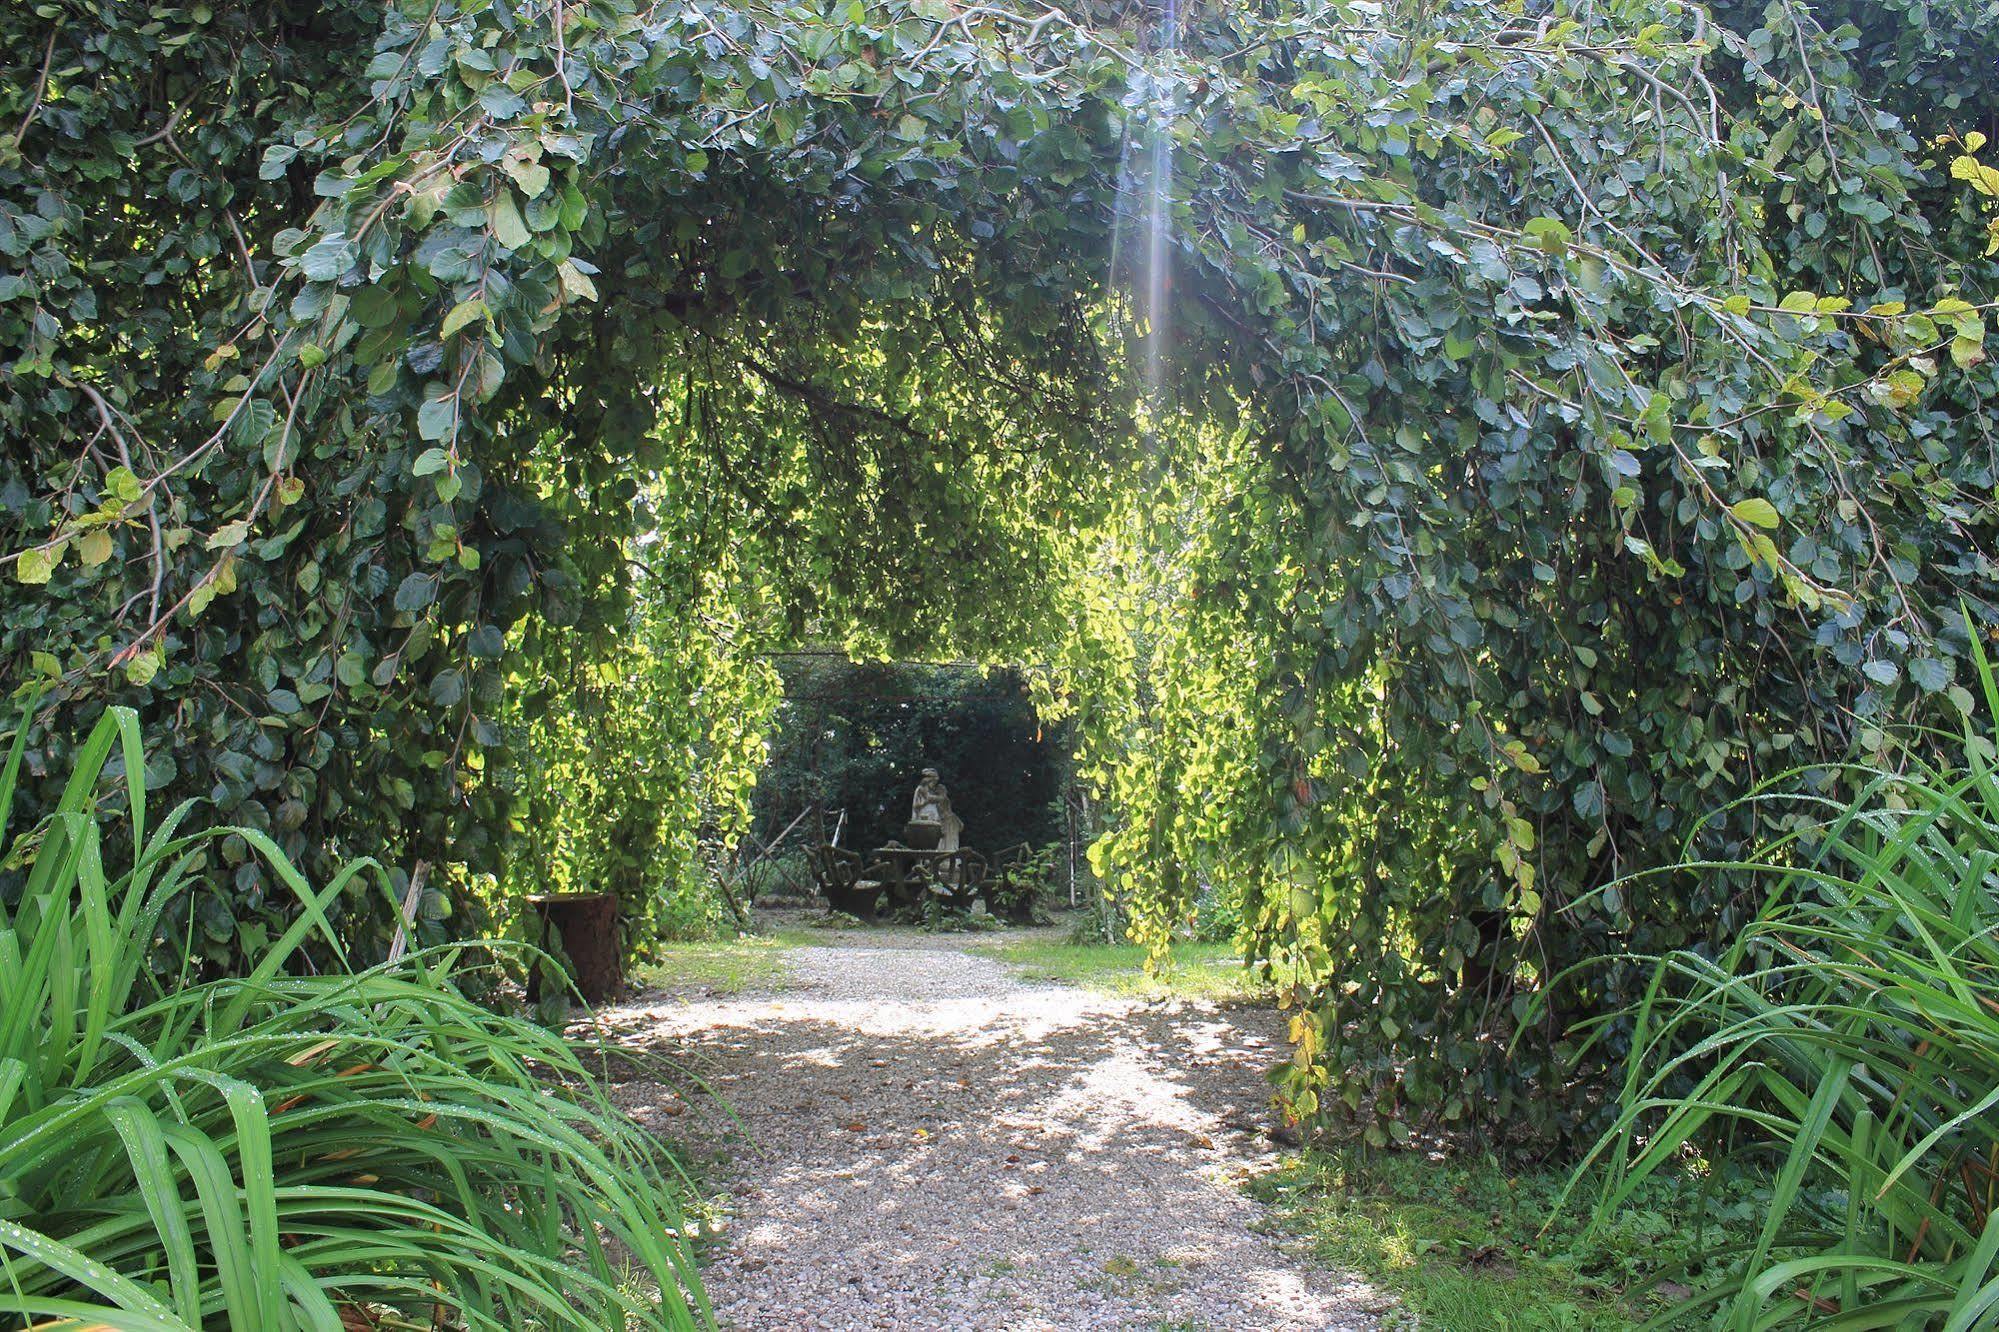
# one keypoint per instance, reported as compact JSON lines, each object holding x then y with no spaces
{"x":1441,"y":449}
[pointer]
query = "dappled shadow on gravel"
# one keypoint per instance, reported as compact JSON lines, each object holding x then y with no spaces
{"x":919,"y":1141}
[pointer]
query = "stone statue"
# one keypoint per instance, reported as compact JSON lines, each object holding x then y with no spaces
{"x":931,"y":801}
{"x":931,"y":805}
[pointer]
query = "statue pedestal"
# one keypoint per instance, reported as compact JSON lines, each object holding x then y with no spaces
{"x":922,"y":836}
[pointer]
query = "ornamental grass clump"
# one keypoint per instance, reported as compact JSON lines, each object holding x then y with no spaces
{"x":1846,"y":1044}
{"x":271,"y":1151}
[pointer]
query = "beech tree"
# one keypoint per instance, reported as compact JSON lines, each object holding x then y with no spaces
{"x":1442,"y":451}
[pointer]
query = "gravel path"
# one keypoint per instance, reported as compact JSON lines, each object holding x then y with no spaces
{"x":922,"y":1142}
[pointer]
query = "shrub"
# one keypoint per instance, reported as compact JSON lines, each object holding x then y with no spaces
{"x":1850,"y":1038}
{"x":276,"y":1151}
{"x":1020,"y":881}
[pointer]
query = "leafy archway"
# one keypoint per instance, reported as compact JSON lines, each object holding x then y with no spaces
{"x":1442,"y":450}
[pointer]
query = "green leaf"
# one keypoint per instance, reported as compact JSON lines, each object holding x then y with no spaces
{"x":1548,"y":233}
{"x":437,"y":418}
{"x":230,"y":534}
{"x":1516,"y":753}
{"x":1756,"y":511}
{"x":373,"y":307}
{"x":35,"y":567}
{"x":328,"y":260}
{"x":1932,"y":673}
{"x":121,"y":482}
{"x":1658,"y":418}
{"x":142,"y":667}
{"x":530,"y":175}
{"x":504,"y":217}
{"x":417,"y":591}
{"x":1882,"y":671}
{"x":463,"y":313}
{"x":447,"y":688}
{"x":501,"y":102}
{"x":576,"y":282}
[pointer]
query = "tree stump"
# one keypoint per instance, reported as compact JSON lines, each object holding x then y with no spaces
{"x":583,"y":928}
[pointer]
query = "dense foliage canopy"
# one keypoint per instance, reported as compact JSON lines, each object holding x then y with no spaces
{"x":1439,"y":449}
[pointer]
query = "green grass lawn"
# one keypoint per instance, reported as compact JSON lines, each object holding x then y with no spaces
{"x":1461,"y":1243}
{"x":723,"y":968}
{"x":1197,"y":970}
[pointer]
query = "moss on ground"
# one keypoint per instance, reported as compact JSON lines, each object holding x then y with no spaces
{"x":1469,"y":1245}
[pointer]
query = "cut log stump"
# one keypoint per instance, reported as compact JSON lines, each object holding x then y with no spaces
{"x":584,"y":928}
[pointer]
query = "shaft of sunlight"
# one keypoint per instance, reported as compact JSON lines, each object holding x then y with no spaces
{"x":1159,"y":205}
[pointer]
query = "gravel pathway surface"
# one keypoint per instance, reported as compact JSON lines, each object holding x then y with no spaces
{"x":921,"y":1141}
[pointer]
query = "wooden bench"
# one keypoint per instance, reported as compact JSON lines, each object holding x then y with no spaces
{"x":843,"y":880}
{"x":957,"y":877}
{"x":1007,"y":898}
